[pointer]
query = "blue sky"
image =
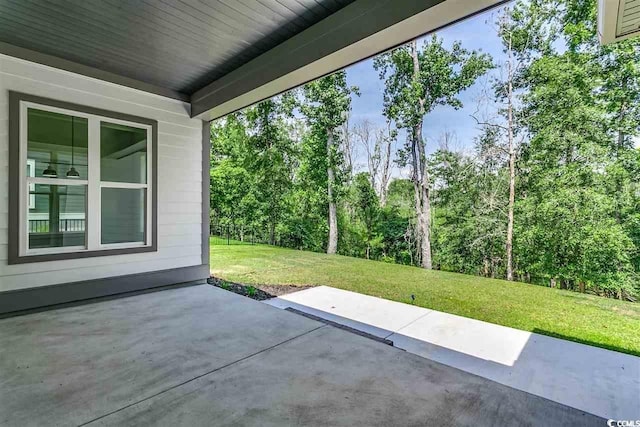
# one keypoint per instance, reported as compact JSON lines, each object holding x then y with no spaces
{"x":476,"y":33}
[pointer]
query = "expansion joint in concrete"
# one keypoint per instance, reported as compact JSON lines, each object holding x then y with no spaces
{"x":408,"y":324}
{"x":264,"y":350}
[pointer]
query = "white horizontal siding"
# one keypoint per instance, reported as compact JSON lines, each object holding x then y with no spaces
{"x":179,"y":177}
{"x":179,"y":229}
{"x":180,"y":142}
{"x":179,"y":240}
{"x":87,"y":273}
{"x":179,"y":218}
{"x":62,"y":81}
{"x":163,"y":253}
{"x":186,"y":196}
{"x":179,"y":208}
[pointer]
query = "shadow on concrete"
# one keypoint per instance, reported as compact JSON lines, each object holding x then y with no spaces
{"x":595,"y":380}
{"x":585,"y":342}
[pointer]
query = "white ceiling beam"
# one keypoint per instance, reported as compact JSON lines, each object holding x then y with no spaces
{"x":618,"y":20}
{"x":607,"y":20}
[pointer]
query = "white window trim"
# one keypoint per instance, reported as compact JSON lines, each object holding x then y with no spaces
{"x":31,"y":164}
{"x":93,"y":185}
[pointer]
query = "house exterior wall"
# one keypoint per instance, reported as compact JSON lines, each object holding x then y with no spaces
{"x":181,"y":216}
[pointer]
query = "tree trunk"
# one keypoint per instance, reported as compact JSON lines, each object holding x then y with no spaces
{"x":272,"y":233}
{"x":386,"y":169}
{"x":421,"y":180}
{"x":512,"y":169}
{"x":493,"y":267}
{"x":348,"y":147}
{"x":425,"y":243}
{"x":422,"y":198}
{"x":619,"y":148}
{"x":332,"y":245}
{"x":512,"y":199}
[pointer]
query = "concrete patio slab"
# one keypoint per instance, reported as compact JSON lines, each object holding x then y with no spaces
{"x":69,"y":366}
{"x":603,"y":382}
{"x":335,"y":378}
{"x":203,"y":356}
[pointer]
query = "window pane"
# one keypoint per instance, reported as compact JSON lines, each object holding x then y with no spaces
{"x":57,"y":218}
{"x":56,"y":144}
{"x":123,"y":153}
{"x":123,"y":215}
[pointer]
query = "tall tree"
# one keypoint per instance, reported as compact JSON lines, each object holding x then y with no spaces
{"x":230,"y":181}
{"x":569,"y":213}
{"x":555,"y":167}
{"x":417,"y":79}
{"x":385,"y":138}
{"x":620,"y":64}
{"x":368,"y":207}
{"x":348,"y":147}
{"x":326,"y":104}
{"x":377,"y":143}
{"x":366,"y":133}
{"x":512,"y":67}
{"x":272,"y":158}
{"x":517,"y":33}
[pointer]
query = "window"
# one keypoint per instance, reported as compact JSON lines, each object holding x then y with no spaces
{"x":123,"y":183}
{"x":85,"y":184}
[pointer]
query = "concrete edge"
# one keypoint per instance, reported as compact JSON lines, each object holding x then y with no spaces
{"x":340,"y":326}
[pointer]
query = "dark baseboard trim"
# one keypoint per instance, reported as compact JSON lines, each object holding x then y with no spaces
{"x":21,"y":301}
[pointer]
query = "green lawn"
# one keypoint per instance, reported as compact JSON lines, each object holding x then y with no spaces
{"x":584,"y":318}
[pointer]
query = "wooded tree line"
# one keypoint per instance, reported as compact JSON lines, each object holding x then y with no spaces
{"x":549,"y":194}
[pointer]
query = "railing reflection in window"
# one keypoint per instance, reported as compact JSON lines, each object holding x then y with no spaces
{"x":65,"y":225}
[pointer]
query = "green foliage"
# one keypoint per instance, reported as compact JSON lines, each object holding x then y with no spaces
{"x":367,"y":209}
{"x":583,"y":318}
{"x":444,"y":73}
{"x":328,"y":100}
{"x":578,"y":181}
{"x":253,"y":157}
{"x":469,"y":224}
{"x":272,"y":160}
{"x":232,"y":195}
{"x":325,"y":105}
{"x":577,"y":204}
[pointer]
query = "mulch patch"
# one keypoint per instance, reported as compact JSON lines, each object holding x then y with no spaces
{"x":256,"y":292}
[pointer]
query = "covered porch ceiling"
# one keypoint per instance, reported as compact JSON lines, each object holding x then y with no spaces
{"x":217,"y":55}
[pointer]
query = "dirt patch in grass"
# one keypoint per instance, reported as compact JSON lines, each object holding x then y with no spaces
{"x":256,"y":292}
